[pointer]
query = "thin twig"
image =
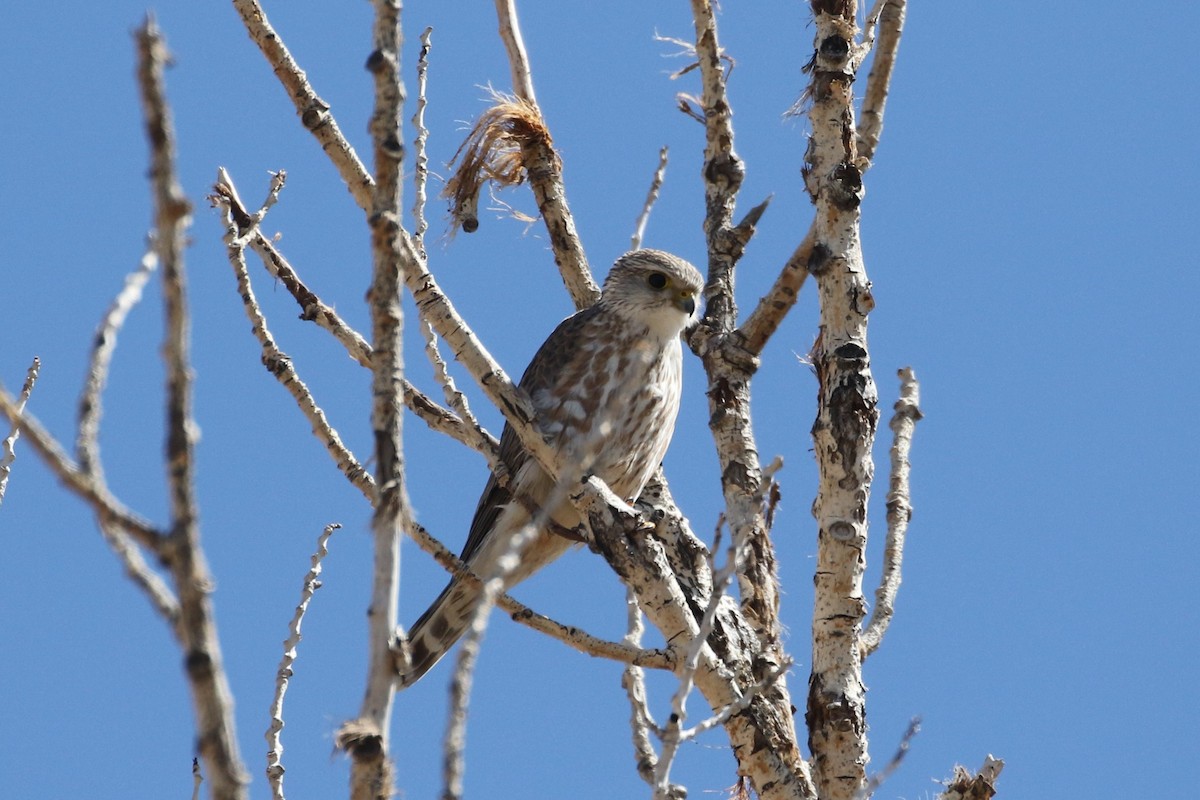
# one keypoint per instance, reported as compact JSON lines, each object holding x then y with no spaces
{"x":573,"y":637}
{"x":420,"y":157}
{"x":87,"y":440}
{"x":8,"y":454}
{"x":454,"y":742}
{"x":104,"y":343}
{"x":633,"y":680}
{"x":89,"y":489}
{"x":544,"y":168}
{"x":514,"y":45}
{"x":280,"y":366}
{"x":899,"y":510}
{"x":152,"y":584}
{"x":313,"y":111}
{"x":639,"y":230}
{"x":315,"y":310}
{"x":877,"y":780}
{"x":749,"y":695}
{"x":283,"y":673}
{"x":454,"y":398}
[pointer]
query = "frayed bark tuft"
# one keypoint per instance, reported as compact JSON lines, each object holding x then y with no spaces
{"x":492,"y":152}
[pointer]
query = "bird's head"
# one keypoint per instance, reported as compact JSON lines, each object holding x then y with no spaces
{"x":656,"y":289}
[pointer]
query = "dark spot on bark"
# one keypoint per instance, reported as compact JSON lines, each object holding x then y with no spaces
{"x":393,"y":147}
{"x":198,"y":664}
{"x":835,"y":48}
{"x":818,"y":260}
{"x":851,"y":354}
{"x":842,"y":531}
{"x":314,"y":116}
{"x":847,"y":187}
{"x":374,"y":61}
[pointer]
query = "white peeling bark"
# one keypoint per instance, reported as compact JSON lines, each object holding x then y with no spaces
{"x":844,"y":430}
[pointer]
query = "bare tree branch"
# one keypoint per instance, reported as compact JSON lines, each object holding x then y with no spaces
{"x":315,"y":310}
{"x":420,"y":157}
{"x":766,"y":746}
{"x":91,"y":490}
{"x":899,"y":510}
{"x":87,"y":441}
{"x":180,"y":551}
{"x":514,"y":45}
{"x":573,"y":637}
{"x":877,"y":780}
{"x":104,"y":344}
{"x":847,"y":412}
{"x":639,"y":230}
{"x":313,"y":111}
{"x":889,"y":14}
{"x":633,"y":680}
{"x":280,"y":365}
{"x":368,"y":746}
{"x":544,"y":168}
{"x":9,"y":452}
{"x":454,"y":398}
{"x":283,"y":673}
{"x":762,"y":323}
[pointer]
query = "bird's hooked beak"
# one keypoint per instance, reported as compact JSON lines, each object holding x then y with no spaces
{"x":686,"y":302}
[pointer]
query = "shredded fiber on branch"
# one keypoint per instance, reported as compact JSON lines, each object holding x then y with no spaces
{"x":492,"y":152}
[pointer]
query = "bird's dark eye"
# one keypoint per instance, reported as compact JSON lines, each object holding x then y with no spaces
{"x":657,"y":280}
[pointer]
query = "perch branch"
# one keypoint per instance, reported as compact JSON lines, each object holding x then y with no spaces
{"x":573,"y":637}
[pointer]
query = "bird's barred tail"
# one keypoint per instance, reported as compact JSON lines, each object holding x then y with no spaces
{"x":440,"y":627}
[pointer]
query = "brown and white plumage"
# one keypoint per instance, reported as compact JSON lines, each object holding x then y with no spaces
{"x":606,"y":387}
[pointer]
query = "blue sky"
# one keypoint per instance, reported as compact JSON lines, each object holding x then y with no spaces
{"x":1025,"y":227}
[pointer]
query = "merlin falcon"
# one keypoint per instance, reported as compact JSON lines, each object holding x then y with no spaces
{"x":605,"y":387}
